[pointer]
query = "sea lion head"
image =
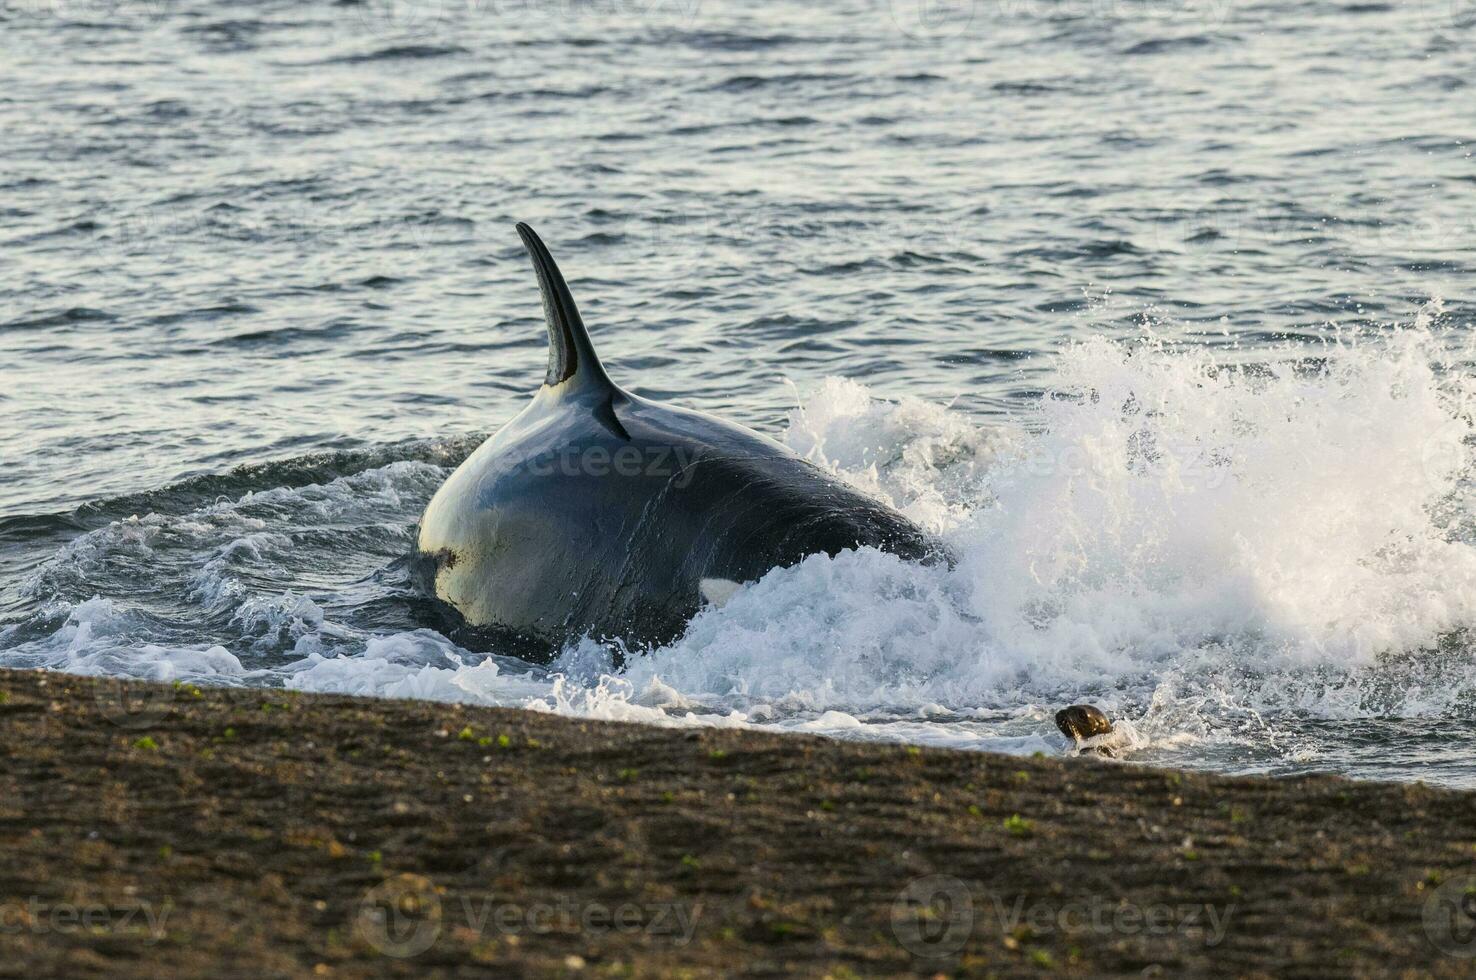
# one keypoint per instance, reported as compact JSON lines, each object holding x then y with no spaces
{"x":1082,"y":721}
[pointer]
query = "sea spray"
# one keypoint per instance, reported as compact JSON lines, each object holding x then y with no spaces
{"x":1224,"y":547}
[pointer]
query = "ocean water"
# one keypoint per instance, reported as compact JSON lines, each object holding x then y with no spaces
{"x":1159,"y":311}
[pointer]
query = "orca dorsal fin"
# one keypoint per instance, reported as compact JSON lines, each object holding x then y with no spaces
{"x":571,"y":357}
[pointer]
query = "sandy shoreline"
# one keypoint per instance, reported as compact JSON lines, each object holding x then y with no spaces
{"x":163,"y":830}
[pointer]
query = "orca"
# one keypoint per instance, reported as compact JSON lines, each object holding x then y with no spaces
{"x":597,"y":512}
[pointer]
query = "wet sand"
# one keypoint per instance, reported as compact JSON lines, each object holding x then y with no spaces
{"x":161,"y":830}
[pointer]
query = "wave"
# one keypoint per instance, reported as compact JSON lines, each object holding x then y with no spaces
{"x":1221,"y":545}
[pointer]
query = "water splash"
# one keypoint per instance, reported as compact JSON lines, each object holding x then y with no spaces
{"x":1229,"y":552}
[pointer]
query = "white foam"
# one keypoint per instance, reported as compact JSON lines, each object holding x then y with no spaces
{"x":1161,"y":534}
{"x":97,"y":640}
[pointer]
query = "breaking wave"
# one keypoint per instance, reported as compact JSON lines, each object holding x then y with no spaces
{"x":1238,"y":554}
